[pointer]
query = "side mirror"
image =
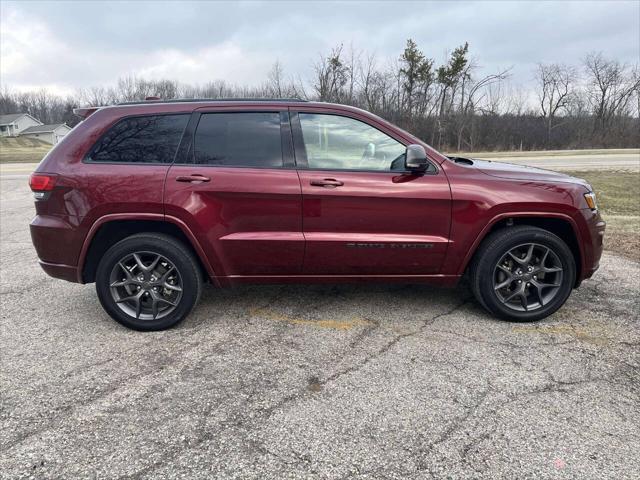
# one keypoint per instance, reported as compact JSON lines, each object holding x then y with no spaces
{"x":416,"y":158}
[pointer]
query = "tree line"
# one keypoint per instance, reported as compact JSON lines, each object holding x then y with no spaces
{"x":452,"y":106}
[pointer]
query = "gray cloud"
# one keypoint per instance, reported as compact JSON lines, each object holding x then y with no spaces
{"x":65,"y":45}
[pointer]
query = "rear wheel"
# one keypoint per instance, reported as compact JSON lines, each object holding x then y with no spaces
{"x":148,"y":282}
{"x":523,"y":273}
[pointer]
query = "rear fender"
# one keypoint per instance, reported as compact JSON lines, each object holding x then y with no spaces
{"x":145,"y":216}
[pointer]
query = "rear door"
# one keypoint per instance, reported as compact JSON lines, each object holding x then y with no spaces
{"x":363,"y":214}
{"x":235,"y":185}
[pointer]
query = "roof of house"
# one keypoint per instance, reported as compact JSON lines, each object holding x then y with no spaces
{"x":43,"y":128}
{"x":10,"y":118}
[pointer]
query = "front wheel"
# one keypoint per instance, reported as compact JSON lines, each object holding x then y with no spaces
{"x":148,"y":282}
{"x":523,"y":273}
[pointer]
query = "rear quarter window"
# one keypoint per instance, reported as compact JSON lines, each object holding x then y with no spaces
{"x":147,"y":139}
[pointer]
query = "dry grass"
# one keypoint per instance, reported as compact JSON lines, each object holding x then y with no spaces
{"x":22,"y":150}
{"x":618,"y":195}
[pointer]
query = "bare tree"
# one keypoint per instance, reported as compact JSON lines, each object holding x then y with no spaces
{"x":473,"y":96}
{"x":610,"y":87}
{"x":636,"y":81}
{"x":555,"y":88}
{"x":275,"y":80}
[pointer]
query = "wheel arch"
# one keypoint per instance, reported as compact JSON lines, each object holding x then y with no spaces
{"x":559,"y":224}
{"x":110,"y":229}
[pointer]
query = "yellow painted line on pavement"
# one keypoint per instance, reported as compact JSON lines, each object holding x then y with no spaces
{"x":592,"y":333}
{"x":346,"y":324}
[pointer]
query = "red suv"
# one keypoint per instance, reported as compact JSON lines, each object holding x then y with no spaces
{"x":150,"y":200}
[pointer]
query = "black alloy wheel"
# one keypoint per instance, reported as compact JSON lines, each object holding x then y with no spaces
{"x":148,"y":281}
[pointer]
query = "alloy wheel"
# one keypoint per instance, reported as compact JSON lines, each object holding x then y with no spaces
{"x":145,"y":285}
{"x":528,"y":277}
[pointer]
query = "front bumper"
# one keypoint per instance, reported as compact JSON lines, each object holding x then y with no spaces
{"x":593,"y":242}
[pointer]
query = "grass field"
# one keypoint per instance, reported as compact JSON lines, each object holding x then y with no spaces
{"x":22,"y":150}
{"x":618,"y":194}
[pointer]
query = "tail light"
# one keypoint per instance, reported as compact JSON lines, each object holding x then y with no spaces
{"x":41,"y":185}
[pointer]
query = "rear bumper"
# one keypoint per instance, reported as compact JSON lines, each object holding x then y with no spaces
{"x":57,"y":243}
{"x":57,"y":270}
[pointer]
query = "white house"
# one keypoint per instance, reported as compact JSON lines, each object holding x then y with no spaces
{"x":12,"y":124}
{"x":47,"y":133}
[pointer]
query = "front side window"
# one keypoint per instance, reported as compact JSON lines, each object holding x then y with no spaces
{"x":341,"y":143}
{"x":239,"y":140}
{"x":149,"y":139}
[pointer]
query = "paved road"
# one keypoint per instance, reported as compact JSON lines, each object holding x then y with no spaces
{"x":574,"y":162}
{"x":555,"y":162}
{"x":367,"y":382}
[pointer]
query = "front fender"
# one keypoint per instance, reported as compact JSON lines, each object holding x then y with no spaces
{"x":459,"y":262}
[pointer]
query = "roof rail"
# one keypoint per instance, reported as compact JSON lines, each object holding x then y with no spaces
{"x":187,"y":100}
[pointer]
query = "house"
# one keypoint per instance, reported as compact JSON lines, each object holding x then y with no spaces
{"x":12,"y":124}
{"x":47,"y":133}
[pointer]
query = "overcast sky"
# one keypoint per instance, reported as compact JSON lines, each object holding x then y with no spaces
{"x":66,"y":45}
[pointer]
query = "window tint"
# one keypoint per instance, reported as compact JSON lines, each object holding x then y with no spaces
{"x":239,"y":140}
{"x":151,"y":139}
{"x":336,"y":142}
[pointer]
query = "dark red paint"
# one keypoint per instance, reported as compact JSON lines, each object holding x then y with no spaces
{"x":279,"y":225}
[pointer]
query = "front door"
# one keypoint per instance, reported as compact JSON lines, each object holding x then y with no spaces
{"x":363,"y":214}
{"x":235,"y":185}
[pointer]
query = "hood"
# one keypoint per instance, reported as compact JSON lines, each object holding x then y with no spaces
{"x":523,"y":172}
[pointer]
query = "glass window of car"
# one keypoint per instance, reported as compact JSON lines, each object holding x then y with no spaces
{"x":335,"y":142}
{"x":148,"y":139}
{"x":239,"y":140}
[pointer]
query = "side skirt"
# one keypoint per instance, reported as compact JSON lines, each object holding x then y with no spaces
{"x":447,"y":281}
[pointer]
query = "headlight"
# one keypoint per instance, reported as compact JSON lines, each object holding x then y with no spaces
{"x":591,"y":200}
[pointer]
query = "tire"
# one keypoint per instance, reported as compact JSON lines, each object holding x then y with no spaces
{"x":511,"y":288}
{"x":148,"y":282}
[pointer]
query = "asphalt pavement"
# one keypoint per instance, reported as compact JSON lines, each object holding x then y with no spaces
{"x":576,"y":161}
{"x":328,"y":382}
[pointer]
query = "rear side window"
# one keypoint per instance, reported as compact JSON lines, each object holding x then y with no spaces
{"x":149,"y":139}
{"x":239,"y":140}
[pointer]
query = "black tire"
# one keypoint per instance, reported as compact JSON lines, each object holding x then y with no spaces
{"x":495,"y":249}
{"x":176,"y":255}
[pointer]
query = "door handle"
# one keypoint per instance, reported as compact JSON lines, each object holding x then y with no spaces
{"x":327,"y":183}
{"x":195,"y":178}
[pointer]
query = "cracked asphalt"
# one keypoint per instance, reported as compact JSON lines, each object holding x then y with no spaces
{"x":330,"y":382}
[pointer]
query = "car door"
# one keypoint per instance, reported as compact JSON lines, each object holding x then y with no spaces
{"x":363,"y":214}
{"x":235,"y":186}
